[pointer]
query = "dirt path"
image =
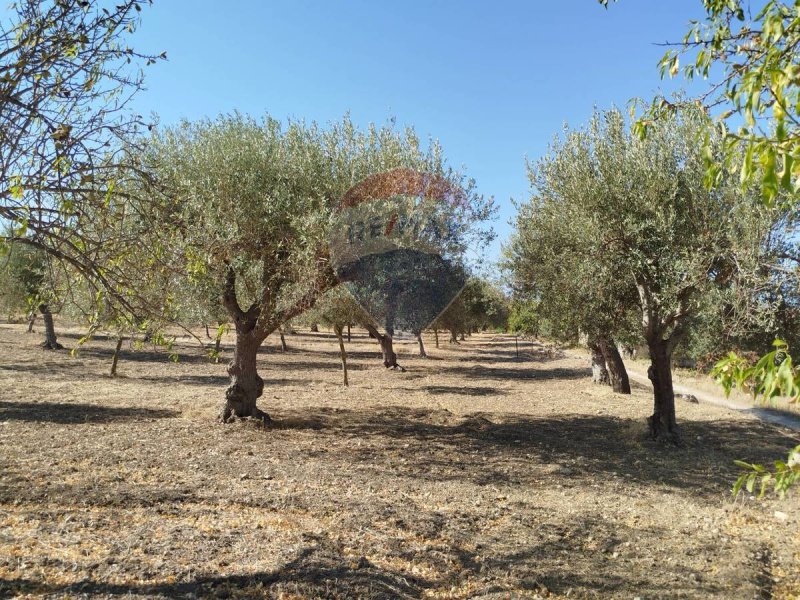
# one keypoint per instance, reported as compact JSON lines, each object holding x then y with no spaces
{"x":475,"y":474}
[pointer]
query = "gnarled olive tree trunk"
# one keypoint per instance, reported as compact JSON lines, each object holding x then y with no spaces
{"x":246,"y":385}
{"x":662,"y":422}
{"x":50,"y":339}
{"x":617,"y":373}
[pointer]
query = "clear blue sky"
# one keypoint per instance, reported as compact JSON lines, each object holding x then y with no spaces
{"x":493,"y":81}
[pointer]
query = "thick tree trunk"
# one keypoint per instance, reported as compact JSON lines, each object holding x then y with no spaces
{"x":115,"y":358}
{"x":246,"y":385}
{"x":662,"y":423}
{"x":599,"y":371}
{"x":422,"y":352}
{"x":436,"y":336}
{"x":314,"y":327}
{"x":50,"y":339}
{"x":617,"y":373}
{"x":342,"y":354}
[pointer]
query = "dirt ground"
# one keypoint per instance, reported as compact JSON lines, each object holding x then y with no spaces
{"x":475,"y":474}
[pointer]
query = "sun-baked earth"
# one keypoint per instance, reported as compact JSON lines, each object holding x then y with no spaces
{"x":473,"y":474}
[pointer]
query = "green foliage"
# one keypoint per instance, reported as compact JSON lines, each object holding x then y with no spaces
{"x":620,"y":229}
{"x":772,"y":376}
{"x":524,"y":319}
{"x":782,"y":478}
{"x":750,"y":62}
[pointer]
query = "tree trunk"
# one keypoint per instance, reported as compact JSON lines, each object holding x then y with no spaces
{"x":246,"y":385}
{"x":599,"y":371}
{"x":662,"y":423}
{"x":436,"y":336}
{"x":284,"y":347}
{"x":453,"y":337}
{"x":115,"y":358}
{"x":422,"y":352}
{"x":342,"y":354}
{"x":314,"y":327}
{"x":387,"y":348}
{"x":217,"y":342}
{"x":616,"y":368}
{"x":50,"y":339}
{"x":208,"y":333}
{"x":463,"y":339}
{"x":31,"y":321}
{"x":348,"y":333}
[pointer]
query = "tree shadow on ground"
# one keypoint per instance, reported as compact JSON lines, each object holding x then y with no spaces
{"x":321,"y":570}
{"x":462,"y":390}
{"x":482,"y":372}
{"x":512,"y":449}
{"x":65,"y":413}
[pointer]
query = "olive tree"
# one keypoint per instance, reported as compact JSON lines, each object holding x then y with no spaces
{"x":659,"y":239}
{"x":252,"y":202}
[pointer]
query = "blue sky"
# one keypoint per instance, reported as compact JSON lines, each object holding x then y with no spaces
{"x":493,"y":81}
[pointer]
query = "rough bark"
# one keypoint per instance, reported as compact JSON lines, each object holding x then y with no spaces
{"x":662,"y":423}
{"x":617,"y":373}
{"x":115,"y":358}
{"x":599,"y":370}
{"x":342,"y":354}
{"x":50,"y":339}
{"x":422,"y":352}
{"x":246,"y":385}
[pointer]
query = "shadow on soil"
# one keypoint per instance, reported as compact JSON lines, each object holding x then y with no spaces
{"x":509,"y":449}
{"x":66,"y":413}
{"x":319,"y":570}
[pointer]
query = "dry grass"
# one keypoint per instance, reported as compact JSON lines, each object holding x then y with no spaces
{"x":474,"y":474}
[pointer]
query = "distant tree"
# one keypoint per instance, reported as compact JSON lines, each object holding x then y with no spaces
{"x":338,"y":309}
{"x":28,"y":281}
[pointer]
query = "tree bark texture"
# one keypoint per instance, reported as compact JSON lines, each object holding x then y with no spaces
{"x":50,"y":339}
{"x":662,"y":423}
{"x":617,"y":373}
